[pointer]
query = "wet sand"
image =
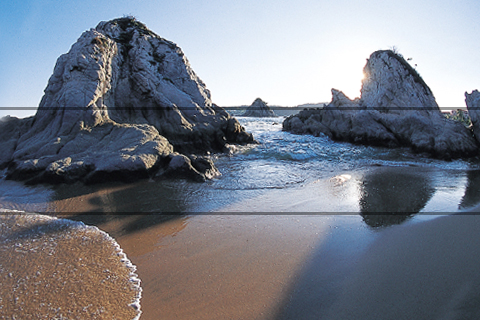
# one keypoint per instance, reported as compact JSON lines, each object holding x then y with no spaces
{"x":57,"y":269}
{"x":423,"y":271}
{"x":231,"y":265}
{"x":226,"y":266}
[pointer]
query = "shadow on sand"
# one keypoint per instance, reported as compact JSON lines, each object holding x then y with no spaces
{"x":418,"y":271}
{"x":127,"y":207}
{"x":388,"y":197}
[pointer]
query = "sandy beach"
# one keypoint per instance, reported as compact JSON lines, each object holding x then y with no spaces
{"x":57,"y":269}
{"x":252,"y":254}
{"x":228,"y":266}
{"x":306,"y":267}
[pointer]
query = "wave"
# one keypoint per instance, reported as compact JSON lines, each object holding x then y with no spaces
{"x":62,"y":268}
{"x":276,"y":144}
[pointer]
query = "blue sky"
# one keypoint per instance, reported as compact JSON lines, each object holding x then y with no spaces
{"x":285,"y":52}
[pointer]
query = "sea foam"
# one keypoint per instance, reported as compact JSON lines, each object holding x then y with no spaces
{"x":62,"y":268}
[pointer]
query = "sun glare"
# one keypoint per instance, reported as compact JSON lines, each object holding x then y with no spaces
{"x":349,"y":82}
{"x":346,"y":73}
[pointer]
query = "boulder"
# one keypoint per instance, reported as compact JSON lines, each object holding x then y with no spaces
{"x":194,"y":168}
{"x":473,"y":106}
{"x":396,"y":109}
{"x":11,"y":128}
{"x":259,"y":108}
{"x":121,"y":104}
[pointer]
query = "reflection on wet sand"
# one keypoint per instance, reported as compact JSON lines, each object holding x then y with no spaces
{"x":392,"y":195}
{"x":385,"y":220}
{"x":472,"y":192}
{"x":402,"y":190}
{"x":242,"y":266}
{"x":17,"y":196}
{"x":140,"y":197}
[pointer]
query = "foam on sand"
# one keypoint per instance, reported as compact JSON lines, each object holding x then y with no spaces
{"x":58,"y":268}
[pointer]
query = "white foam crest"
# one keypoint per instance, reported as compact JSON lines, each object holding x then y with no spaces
{"x":53,"y":221}
{"x":134,"y":279}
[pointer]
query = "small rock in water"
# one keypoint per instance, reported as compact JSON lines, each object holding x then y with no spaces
{"x":259,"y":108}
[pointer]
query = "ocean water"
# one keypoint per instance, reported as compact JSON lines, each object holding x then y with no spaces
{"x":321,"y":175}
{"x":369,"y":179}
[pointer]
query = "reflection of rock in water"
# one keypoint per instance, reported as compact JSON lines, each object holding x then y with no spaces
{"x":383,"y":220}
{"x":393,"y":190}
{"x":472,"y":191}
{"x":166,"y":197}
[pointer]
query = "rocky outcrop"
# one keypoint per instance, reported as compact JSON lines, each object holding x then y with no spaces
{"x":259,"y":108}
{"x":11,"y":129}
{"x":396,"y":109}
{"x":473,"y":106}
{"x":123,"y":103}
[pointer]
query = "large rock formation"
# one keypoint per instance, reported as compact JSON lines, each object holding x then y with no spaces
{"x":259,"y":108}
{"x":123,"y":103}
{"x":473,"y":106}
{"x":396,"y":109}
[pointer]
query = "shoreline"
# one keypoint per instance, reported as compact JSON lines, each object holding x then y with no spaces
{"x":228,"y":266}
{"x":59,"y":268}
{"x":225,"y":264}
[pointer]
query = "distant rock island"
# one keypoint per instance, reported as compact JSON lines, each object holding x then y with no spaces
{"x":279,"y":111}
{"x":396,"y":109}
{"x":259,"y":108}
{"x":122,"y":104}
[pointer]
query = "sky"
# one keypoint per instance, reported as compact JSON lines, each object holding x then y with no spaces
{"x":284,"y":52}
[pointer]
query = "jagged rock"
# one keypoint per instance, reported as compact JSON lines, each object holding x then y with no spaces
{"x":259,"y":108}
{"x":118,"y":105}
{"x":11,"y":128}
{"x":396,"y":109}
{"x":473,"y":106}
{"x":393,"y":86}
